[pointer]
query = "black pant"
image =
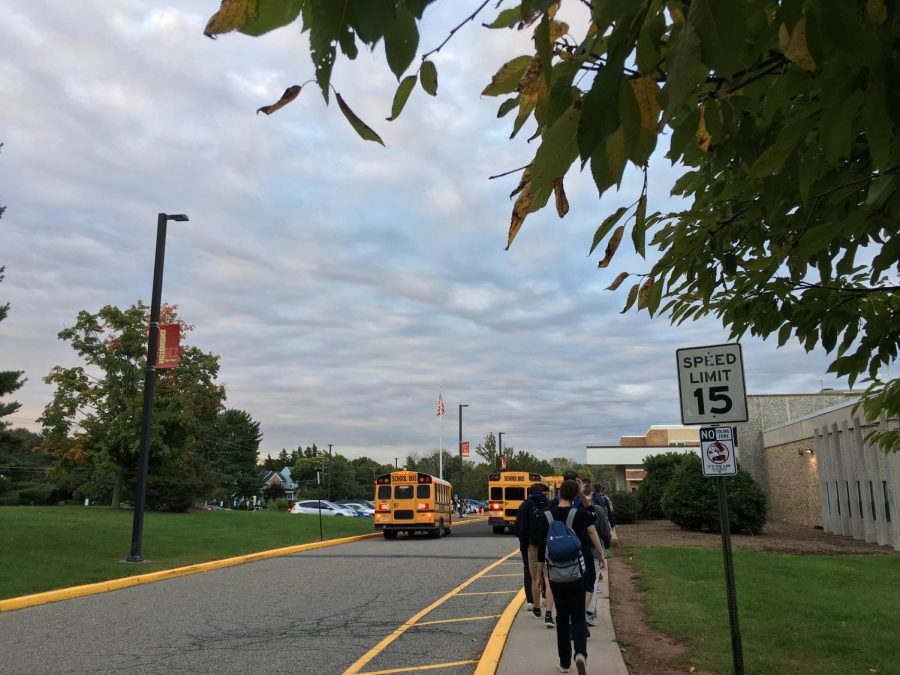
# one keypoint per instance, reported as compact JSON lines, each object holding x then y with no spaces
{"x":527,"y":575}
{"x":569,"y":600}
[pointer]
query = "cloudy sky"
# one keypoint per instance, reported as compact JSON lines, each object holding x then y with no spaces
{"x":343,"y":284}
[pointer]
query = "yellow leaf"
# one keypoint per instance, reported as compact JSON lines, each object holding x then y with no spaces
{"x":877,"y":10}
{"x":793,"y":45}
{"x":525,"y":180}
{"x":702,"y":136}
{"x":612,"y":246}
{"x":644,"y":293}
{"x":558,"y":29}
{"x":562,"y":204}
{"x":232,"y":15}
{"x":289,"y":95}
{"x":618,"y":281}
{"x":646,"y":91}
{"x":520,"y":210}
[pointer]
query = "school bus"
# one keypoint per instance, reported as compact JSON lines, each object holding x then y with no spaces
{"x":407,"y":501}
{"x":506,"y":491}
{"x":553,"y":483}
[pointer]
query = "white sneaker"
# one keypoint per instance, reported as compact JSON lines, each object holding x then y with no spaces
{"x":563,"y":670}
{"x":580,"y":664}
{"x":529,"y":606}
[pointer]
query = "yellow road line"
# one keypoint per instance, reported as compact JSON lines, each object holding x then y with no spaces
{"x":409,"y":623}
{"x":433,"y":666}
{"x":490,"y":658}
{"x":486,"y":593}
{"x":467,"y":618}
{"x":492,"y":576}
{"x":23,"y":601}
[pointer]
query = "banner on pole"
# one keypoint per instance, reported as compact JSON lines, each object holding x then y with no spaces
{"x":465,"y":448}
{"x":169,"y":345}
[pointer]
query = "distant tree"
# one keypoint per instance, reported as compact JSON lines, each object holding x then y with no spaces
{"x":296,"y":453}
{"x":92,"y":422}
{"x":273,"y":490}
{"x":525,"y":461}
{"x":284,"y":459}
{"x":311,"y":451}
{"x":269,"y":463}
{"x":487,"y":450}
{"x":24,"y":469}
{"x":232,"y":447}
{"x":659,"y":470}
{"x":366,"y":470}
{"x":412,"y":462}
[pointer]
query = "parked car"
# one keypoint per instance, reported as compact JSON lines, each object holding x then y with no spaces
{"x":360,"y":507}
{"x":311,"y":507}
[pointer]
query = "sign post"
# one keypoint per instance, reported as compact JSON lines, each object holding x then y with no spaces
{"x":712,"y":391}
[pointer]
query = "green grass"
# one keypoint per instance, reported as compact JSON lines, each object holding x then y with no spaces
{"x":42,"y":548}
{"x":797,"y":614}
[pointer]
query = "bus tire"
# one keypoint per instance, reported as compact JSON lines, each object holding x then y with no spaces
{"x":390,"y":534}
{"x":437,"y":532}
{"x":499,"y":529}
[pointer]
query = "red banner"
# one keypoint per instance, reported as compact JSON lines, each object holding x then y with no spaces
{"x":465,"y":448}
{"x":503,"y":463}
{"x":169,"y":345}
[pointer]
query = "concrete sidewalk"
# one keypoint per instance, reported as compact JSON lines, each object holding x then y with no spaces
{"x":531,"y":646}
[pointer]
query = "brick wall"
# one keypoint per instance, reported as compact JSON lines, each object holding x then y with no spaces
{"x":793,"y":483}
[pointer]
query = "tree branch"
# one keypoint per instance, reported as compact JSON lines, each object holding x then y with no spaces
{"x":453,"y":30}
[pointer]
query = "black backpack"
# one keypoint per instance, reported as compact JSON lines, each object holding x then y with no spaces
{"x":536,"y":524}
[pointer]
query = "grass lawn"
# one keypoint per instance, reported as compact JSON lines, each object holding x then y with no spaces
{"x":42,"y":548}
{"x":798,"y":614}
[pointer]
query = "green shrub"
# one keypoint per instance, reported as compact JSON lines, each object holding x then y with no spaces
{"x":659,"y":471}
{"x":277,"y":505}
{"x":691,"y":500}
{"x":626,"y":507}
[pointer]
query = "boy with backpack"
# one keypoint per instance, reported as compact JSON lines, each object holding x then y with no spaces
{"x":562,"y":535}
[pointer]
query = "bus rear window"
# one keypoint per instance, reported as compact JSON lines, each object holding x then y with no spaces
{"x":423,"y":492}
{"x":497,"y":493}
{"x":384,"y":492}
{"x":513,"y":493}
{"x":403,"y":492}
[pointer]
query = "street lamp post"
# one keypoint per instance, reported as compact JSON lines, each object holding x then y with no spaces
{"x":459,"y":489}
{"x":137,"y":530}
{"x":330,"y":467}
{"x":500,"y":448}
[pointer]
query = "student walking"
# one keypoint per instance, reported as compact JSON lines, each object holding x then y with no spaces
{"x":562,"y":534}
{"x":536,"y":497}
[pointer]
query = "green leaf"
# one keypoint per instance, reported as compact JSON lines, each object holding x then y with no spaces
{"x":365,"y":132}
{"x":507,"y":105}
{"x":638,"y":232}
{"x":632,"y":296}
{"x":272,"y":14}
{"x":600,"y":171}
{"x":558,"y":149}
{"x":784,"y":333}
{"x":428,"y":77}
{"x":506,"y":19}
{"x":836,"y":130}
{"x":507,"y":78}
{"x":608,"y":224}
{"x":815,"y":239}
{"x":721,"y":26}
{"x":879,"y":125}
{"x":417,"y":7}
{"x":683,"y":64}
{"x":542,"y":44}
{"x":327,"y":25}
{"x":401,"y":41}
{"x":402,"y":95}
{"x":655,"y":297}
{"x":601,"y":110}
{"x":630,"y":116}
{"x":371,"y":19}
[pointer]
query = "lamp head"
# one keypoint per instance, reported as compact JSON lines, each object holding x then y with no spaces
{"x":180,"y":217}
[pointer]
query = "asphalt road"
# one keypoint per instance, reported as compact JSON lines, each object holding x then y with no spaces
{"x":313,"y":612}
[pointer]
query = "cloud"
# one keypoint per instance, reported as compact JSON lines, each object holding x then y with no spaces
{"x":342,"y":284}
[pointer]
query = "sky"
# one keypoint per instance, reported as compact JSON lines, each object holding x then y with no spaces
{"x":343,"y":284}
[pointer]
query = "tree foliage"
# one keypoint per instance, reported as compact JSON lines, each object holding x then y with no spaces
{"x":784,"y":117}
{"x":659,"y":470}
{"x":232,"y":445}
{"x":691,"y":500}
{"x":92,"y":422}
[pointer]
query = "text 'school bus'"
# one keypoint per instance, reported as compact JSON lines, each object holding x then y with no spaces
{"x":506,"y":491}
{"x":407,"y":501}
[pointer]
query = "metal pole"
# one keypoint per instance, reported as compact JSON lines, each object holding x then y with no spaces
{"x":737,"y":653}
{"x":329,"y":471}
{"x":319,"y":490}
{"x":499,"y":449}
{"x":137,"y":529}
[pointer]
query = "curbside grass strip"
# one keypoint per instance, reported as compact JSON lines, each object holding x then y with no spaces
{"x":490,"y":658}
{"x":23,"y":601}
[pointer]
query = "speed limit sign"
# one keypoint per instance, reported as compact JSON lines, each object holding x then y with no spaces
{"x":711,"y":384}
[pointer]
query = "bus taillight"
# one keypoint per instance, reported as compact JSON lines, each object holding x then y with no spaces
{"x":423,"y":507}
{"x":496,"y":506}
{"x":383,"y":506}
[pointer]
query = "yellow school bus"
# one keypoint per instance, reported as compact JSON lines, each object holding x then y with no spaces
{"x":553,"y":483}
{"x":407,"y":501}
{"x":506,"y":491}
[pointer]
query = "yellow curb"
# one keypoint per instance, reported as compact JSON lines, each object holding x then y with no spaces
{"x":24,"y":601}
{"x":490,"y":658}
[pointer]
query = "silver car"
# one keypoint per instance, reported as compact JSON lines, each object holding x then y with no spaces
{"x":313,"y":506}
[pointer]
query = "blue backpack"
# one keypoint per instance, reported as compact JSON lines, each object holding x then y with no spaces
{"x":565,"y":562}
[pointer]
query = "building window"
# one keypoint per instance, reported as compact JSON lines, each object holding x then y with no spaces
{"x":872,"y":499}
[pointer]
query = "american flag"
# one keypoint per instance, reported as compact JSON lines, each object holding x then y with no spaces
{"x":440,"y":412}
